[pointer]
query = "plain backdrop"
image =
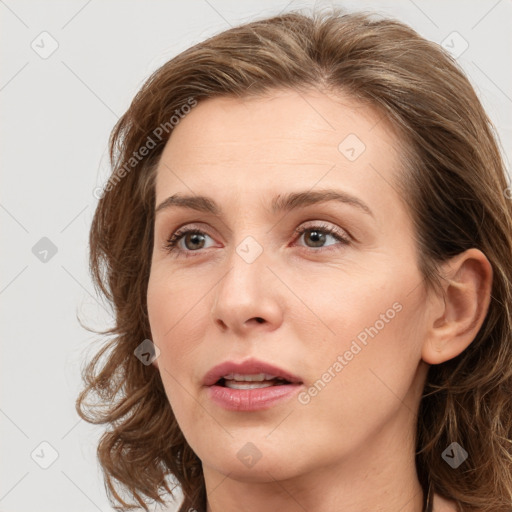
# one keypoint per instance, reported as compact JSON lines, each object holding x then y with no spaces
{"x":68,"y":70}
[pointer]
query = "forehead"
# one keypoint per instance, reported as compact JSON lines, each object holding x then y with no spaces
{"x":278,"y":140}
{"x":278,"y":117}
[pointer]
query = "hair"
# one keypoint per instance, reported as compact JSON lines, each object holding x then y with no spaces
{"x":454,"y":184}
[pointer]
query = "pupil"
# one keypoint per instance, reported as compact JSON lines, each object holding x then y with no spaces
{"x":194,"y":238}
{"x":319,"y":236}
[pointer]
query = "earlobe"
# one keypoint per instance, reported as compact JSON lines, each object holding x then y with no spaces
{"x":462,"y":309}
{"x":155,"y":364}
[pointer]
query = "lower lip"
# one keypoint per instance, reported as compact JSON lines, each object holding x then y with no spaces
{"x":251,"y":399}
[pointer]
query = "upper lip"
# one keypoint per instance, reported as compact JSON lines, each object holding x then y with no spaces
{"x":247,"y":367}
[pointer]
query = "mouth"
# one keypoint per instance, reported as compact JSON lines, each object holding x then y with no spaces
{"x":260,"y":386}
{"x":238,"y":381}
{"x":249,"y":374}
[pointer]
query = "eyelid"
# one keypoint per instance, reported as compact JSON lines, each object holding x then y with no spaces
{"x":328,"y":226}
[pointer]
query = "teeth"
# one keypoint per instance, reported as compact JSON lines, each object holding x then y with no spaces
{"x":257,"y":377}
{"x":233,"y":384}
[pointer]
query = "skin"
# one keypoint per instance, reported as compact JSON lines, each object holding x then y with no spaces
{"x":351,"y":447}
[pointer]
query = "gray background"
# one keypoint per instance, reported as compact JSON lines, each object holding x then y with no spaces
{"x":56,"y":115}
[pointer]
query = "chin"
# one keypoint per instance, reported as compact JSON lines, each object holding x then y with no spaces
{"x":246,"y":467}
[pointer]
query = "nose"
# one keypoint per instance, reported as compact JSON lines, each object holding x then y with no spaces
{"x":248,"y":297}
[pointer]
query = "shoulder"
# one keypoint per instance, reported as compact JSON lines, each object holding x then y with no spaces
{"x":444,"y":505}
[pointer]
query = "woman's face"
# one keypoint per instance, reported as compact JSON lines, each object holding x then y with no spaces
{"x":342,"y":311}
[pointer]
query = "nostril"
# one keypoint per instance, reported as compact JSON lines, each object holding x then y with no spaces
{"x":259,"y":320}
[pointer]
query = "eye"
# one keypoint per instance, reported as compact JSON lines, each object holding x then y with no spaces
{"x":193,"y":239}
{"x":318,"y":234}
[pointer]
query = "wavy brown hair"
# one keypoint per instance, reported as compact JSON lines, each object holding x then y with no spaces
{"x":453,"y":181}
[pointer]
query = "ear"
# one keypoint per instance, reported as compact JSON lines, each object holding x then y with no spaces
{"x":155,"y":363}
{"x":456,"y":317}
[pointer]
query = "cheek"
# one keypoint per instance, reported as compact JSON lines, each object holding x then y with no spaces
{"x":177,"y":321}
{"x":349,"y":410}
{"x":366,"y":358}
{"x":173,"y":307}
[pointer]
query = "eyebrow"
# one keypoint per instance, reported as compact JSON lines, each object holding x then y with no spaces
{"x":280,"y":203}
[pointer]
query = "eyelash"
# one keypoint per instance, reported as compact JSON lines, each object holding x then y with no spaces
{"x":171,"y":245}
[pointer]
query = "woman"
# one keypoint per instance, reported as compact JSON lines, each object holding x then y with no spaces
{"x":306,"y":238}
